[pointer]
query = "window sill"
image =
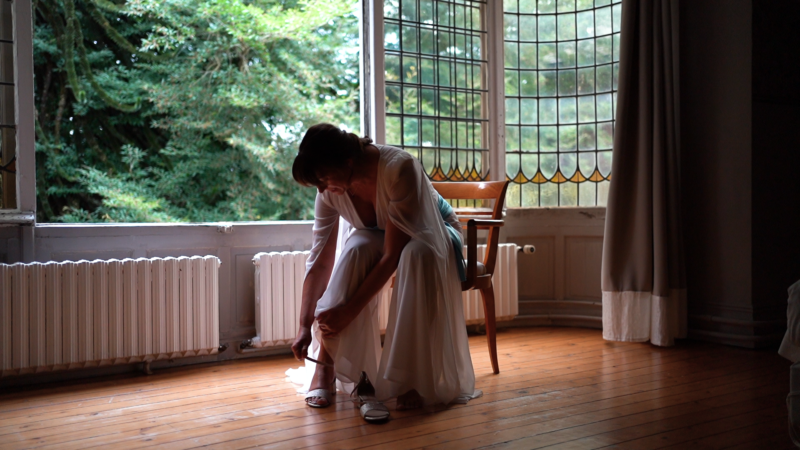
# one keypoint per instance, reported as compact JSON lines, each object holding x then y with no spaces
{"x":557,"y":216}
{"x":15,"y":218}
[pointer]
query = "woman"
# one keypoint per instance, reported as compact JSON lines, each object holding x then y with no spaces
{"x":392,"y":220}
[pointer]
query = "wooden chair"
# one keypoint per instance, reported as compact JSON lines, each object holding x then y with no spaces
{"x":479,"y":274}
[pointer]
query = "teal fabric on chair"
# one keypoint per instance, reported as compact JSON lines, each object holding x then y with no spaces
{"x":455,"y":237}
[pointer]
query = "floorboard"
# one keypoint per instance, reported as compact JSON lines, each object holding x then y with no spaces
{"x":559,"y":389}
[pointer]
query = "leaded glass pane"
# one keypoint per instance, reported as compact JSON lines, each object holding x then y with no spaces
{"x":568,"y":194}
{"x":566,"y":27}
{"x":527,"y":6}
{"x":546,"y":6}
{"x":530,"y":139}
{"x":567,"y":111}
{"x":530,"y":164}
{"x":547,"y":28}
{"x":528,"y":110}
{"x":547,"y":83}
{"x":561,"y":79}
{"x":528,"y":84}
{"x":548,"y":139}
{"x":530,"y":194}
{"x":511,"y":27}
{"x":527,"y":28}
{"x":548,"y":111}
{"x":587,"y":138}
{"x":548,"y":194}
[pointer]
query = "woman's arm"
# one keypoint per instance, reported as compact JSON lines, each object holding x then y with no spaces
{"x":336,"y":319}
{"x":318,"y":270}
{"x":313,"y":287}
{"x":317,"y":279}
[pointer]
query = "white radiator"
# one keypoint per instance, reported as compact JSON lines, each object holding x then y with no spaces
{"x":68,"y":315}
{"x":279,"y":284}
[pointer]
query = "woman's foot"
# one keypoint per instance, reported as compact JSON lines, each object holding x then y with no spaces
{"x":371,"y":409}
{"x":324,"y":377}
{"x":409,"y":400}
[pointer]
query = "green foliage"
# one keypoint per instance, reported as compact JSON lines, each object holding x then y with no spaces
{"x":185,"y":110}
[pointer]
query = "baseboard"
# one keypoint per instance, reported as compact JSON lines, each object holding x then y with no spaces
{"x":554,"y":320}
{"x":737,"y":340}
{"x":707,"y":328}
{"x":228,"y":354}
{"x":736,"y":332}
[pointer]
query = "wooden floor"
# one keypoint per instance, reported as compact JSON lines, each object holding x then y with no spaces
{"x":558,"y":388}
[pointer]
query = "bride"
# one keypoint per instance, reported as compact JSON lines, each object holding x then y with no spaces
{"x":393,"y":220}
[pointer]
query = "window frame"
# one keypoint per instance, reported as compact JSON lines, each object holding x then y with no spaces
{"x":25,"y":211}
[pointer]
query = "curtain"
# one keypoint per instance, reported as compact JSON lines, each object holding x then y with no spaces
{"x":643,"y":280}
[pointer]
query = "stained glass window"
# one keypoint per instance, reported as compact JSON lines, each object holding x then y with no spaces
{"x":435,"y":78}
{"x":561,"y":65}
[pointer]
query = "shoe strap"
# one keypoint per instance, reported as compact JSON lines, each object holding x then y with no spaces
{"x":321,"y":393}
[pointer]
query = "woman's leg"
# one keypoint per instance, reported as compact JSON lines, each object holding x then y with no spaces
{"x":425,"y":356}
{"x":356,"y":348}
{"x":323,"y":377}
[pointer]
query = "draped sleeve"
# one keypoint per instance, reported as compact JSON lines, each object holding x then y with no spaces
{"x":413,"y":203}
{"x":326,"y":223}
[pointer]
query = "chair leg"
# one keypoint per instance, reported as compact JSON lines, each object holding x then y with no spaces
{"x":491,"y":327}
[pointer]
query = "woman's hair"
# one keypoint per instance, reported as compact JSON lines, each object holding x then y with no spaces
{"x":325,"y":147}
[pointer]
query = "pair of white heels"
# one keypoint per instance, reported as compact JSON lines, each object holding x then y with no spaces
{"x":372,"y":410}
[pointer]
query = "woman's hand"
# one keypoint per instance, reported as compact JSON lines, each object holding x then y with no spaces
{"x":301,"y":343}
{"x":334,"y":320}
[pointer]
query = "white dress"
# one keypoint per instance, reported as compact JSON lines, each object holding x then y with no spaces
{"x":426,"y":344}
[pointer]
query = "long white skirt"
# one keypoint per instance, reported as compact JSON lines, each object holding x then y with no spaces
{"x":411,"y":357}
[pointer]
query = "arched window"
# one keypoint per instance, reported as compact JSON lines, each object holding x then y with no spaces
{"x":561,"y":65}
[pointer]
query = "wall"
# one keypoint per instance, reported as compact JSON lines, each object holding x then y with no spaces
{"x":715,"y":157}
{"x":9,"y":244}
{"x":776,"y":155}
{"x":740,"y":112}
{"x":560,"y":283}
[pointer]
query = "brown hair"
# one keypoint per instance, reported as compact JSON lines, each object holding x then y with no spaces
{"x":325,"y":147}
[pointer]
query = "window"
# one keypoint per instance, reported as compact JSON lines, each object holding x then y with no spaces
{"x":561,"y":65}
{"x":435,"y":76}
{"x":557,"y":75}
{"x":159,"y":112}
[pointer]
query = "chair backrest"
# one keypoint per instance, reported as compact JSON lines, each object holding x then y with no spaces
{"x":479,"y":190}
{"x":475,"y":190}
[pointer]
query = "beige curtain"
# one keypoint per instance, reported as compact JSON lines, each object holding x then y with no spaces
{"x":643,"y":282}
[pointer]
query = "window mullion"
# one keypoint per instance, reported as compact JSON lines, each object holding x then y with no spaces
{"x":23,"y":75}
{"x":373,"y":101}
{"x":495,"y":79}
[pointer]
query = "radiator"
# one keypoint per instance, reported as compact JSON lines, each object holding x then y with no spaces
{"x":279,"y":284}
{"x":67,"y":315}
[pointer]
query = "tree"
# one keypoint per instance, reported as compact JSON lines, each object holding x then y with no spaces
{"x":185,"y":110}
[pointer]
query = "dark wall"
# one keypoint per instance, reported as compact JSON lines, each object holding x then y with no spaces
{"x":776,"y":154}
{"x":716,"y":126}
{"x":740,"y":119}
